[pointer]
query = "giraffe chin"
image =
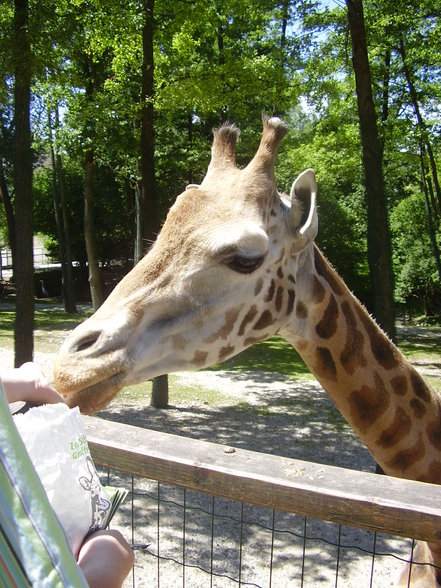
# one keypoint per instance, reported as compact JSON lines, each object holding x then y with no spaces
{"x":95,"y":397}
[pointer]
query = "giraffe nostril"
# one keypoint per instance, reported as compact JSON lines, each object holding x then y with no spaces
{"x":85,"y":342}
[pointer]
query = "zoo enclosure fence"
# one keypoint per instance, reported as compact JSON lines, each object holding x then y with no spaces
{"x":201,"y":514}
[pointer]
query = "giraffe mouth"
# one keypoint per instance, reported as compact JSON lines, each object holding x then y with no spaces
{"x":94,"y":397}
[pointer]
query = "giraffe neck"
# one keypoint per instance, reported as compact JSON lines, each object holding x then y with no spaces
{"x":394,"y":411}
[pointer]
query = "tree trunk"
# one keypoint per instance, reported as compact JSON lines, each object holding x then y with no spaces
{"x":146,"y":199}
{"x":148,"y":210}
{"x":57,"y":187}
{"x":285,"y":19}
{"x":23,"y":257}
{"x":68,"y":277}
{"x":190,"y":144}
{"x":95,"y":281}
{"x":379,"y":244}
{"x":385,"y":99}
{"x":139,"y":250}
{"x":159,"y":397}
{"x":67,"y":271}
{"x":55,"y":196}
{"x":428,"y":183}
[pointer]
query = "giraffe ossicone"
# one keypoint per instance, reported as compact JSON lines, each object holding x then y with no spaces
{"x":234,"y":264}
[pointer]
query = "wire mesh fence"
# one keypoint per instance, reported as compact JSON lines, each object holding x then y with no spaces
{"x":184,"y":537}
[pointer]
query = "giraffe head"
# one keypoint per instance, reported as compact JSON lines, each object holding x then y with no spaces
{"x":215,"y":281}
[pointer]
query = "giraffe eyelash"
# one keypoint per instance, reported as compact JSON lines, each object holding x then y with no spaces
{"x":244,"y":265}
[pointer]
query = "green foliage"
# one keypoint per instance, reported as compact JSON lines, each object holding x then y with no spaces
{"x":274,"y":355}
{"x":232,"y":60}
{"x":113,"y":213}
{"x":414,"y":263}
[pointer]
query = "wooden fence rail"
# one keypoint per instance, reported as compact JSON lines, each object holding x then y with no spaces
{"x":389,"y":505}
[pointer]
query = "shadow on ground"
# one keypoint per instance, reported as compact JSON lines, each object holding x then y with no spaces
{"x":290,"y":418}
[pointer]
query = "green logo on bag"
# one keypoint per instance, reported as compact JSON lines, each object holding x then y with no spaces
{"x":79,"y":448}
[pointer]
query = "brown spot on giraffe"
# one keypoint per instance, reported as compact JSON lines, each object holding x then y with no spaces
{"x":225,"y":352}
{"x":325,"y":364}
{"x":258,"y":287}
{"x":226,"y":328}
{"x":271,"y":290}
{"x":419,"y":386}
{"x":368,"y":404}
{"x":323,"y":270}
{"x":434,"y":430}
{"x":199,"y":358}
{"x":253,"y":340}
{"x":291,"y":298}
{"x":398,"y":429}
{"x":265,"y":320}
{"x":279,"y":273}
{"x":279,"y":299}
{"x":382,"y":349}
{"x":352,"y":355}
{"x":406,"y":458}
{"x":281,"y":256}
{"x":418,"y":408}
{"x":399,"y":385}
{"x":301,"y":310}
{"x":327,"y":326}
{"x":179,"y":342}
{"x":248,"y":318}
{"x":318,"y":290}
{"x":434,"y":473}
{"x":302,"y":345}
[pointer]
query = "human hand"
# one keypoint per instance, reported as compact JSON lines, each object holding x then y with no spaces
{"x":28,"y":384}
{"x":106,"y":559}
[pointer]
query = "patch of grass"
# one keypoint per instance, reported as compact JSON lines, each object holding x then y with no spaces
{"x":7,"y":319}
{"x":54,"y":318}
{"x":47,"y":320}
{"x":274,"y":355}
{"x":421,"y":344}
{"x":435,"y":383}
{"x":418,"y":350}
{"x":179,"y":394}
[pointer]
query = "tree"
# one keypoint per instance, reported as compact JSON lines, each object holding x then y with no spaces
{"x":147,"y":220}
{"x":61,"y":220}
{"x":23,"y":254}
{"x":379,"y":246}
{"x":416,"y":270}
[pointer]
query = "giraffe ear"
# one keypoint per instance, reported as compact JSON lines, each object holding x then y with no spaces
{"x":303,"y":213}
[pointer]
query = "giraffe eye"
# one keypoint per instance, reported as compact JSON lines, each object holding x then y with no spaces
{"x":244,"y":265}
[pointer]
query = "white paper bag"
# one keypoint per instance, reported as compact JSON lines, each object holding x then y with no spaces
{"x":55,"y":438}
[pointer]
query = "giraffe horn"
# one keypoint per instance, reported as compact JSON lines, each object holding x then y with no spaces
{"x":223,"y":148}
{"x":274,"y":130}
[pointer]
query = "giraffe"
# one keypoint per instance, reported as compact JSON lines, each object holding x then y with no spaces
{"x":234,"y":264}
